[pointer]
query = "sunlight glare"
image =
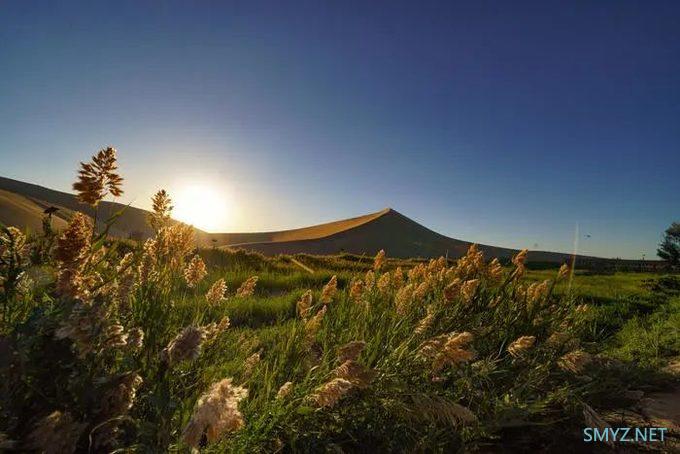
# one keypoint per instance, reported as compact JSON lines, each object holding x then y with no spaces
{"x":203,"y":207}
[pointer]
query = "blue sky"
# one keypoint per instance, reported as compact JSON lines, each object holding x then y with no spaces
{"x":503,"y":123}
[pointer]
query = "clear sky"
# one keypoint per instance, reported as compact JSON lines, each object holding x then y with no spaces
{"x":503,"y":123}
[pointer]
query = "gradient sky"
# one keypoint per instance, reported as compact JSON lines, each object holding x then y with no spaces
{"x":504,"y":123}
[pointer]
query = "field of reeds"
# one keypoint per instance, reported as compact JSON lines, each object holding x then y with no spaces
{"x":116,"y":346}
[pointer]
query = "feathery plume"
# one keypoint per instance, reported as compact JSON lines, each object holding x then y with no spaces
{"x":285,"y":390}
{"x":329,"y":290}
{"x":468,"y":290}
{"x":398,"y":277}
{"x":172,"y":244}
{"x":576,"y":361}
{"x":328,"y":394}
{"x":356,"y":290}
{"x":426,"y":322}
{"x":354,"y":373}
{"x":384,"y":283}
{"x":162,"y":207}
{"x":135,"y":338}
{"x":56,"y":433}
{"x":403,"y":299}
{"x":563,"y":272}
{"x":518,"y":260}
{"x":369,"y":280}
{"x":305,"y":304}
{"x":350,"y":350}
{"x":379,"y":260}
{"x":452,"y":290}
{"x":250,"y":363}
{"x":448,"y":349}
{"x":71,"y":253}
{"x":120,"y":398}
{"x":494,"y":271}
{"x":216,"y":413}
{"x":186,"y":345}
{"x":195,"y":271}
{"x":216,"y":293}
{"x":97,"y":178}
{"x":247,"y":288}
{"x":521,"y":345}
{"x":313,"y":325}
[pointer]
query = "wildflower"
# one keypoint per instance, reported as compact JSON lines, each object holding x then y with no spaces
{"x":97,"y":178}
{"x":576,"y":361}
{"x":162,"y":206}
{"x":284,"y":390}
{"x":195,"y":271}
{"x":71,"y":253}
{"x":305,"y":304}
{"x":468,"y":290}
{"x":250,"y":363}
{"x":56,"y":433}
{"x":216,"y":412}
{"x":350,"y":350}
{"x":521,"y":345}
{"x":384,"y":283}
{"x":329,"y":290}
{"x":186,"y":345}
{"x":216,"y":293}
{"x":328,"y":394}
{"x":247,"y":288}
{"x":135,"y":338}
{"x":379,"y":260}
{"x":356,"y":290}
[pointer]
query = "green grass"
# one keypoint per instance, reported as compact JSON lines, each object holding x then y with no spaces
{"x":408,"y":405}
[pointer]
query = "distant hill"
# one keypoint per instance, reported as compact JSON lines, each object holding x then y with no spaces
{"x":22,"y":205}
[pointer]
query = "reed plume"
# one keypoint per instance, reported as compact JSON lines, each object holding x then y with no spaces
{"x":247,"y":288}
{"x":216,"y":293}
{"x":98,"y":178}
{"x":72,"y":253}
{"x":161,"y":204}
{"x":56,"y":433}
{"x":329,"y":290}
{"x":285,"y":390}
{"x":186,"y":345}
{"x":521,"y":345}
{"x":215,"y":413}
{"x":379,"y":260}
{"x":195,"y":271}
{"x":304,"y":305}
{"x":328,"y":394}
{"x":351,"y":350}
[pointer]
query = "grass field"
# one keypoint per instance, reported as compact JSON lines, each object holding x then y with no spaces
{"x":117,"y":346}
{"x":447,"y":356}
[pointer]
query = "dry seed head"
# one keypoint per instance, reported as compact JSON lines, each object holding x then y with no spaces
{"x":379,"y":260}
{"x":521,"y":345}
{"x":247,"y":288}
{"x":162,"y":207}
{"x":56,"y":433}
{"x":398,"y":277}
{"x":351,"y":350}
{"x":354,"y":373}
{"x":576,"y":361}
{"x":452,"y":290}
{"x":120,"y":398}
{"x":173,"y":243}
{"x":251,"y":362}
{"x":356,"y":290}
{"x":494,"y":271}
{"x":305,"y":304}
{"x":369,"y":280}
{"x":403,"y":299}
{"x":216,"y":293}
{"x":426,"y":322}
{"x":328,"y":394}
{"x":195,"y":271}
{"x":285,"y":390}
{"x":186,"y":345}
{"x":97,"y":178}
{"x":384,"y":283}
{"x":313,"y":325}
{"x":563,"y":272}
{"x":329,"y":290}
{"x":468,"y":290}
{"x":215,"y":414}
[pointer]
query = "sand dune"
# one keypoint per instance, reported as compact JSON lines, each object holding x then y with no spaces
{"x":22,"y":205}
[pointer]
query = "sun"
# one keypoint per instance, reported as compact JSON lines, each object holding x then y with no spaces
{"x":203,"y":207}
